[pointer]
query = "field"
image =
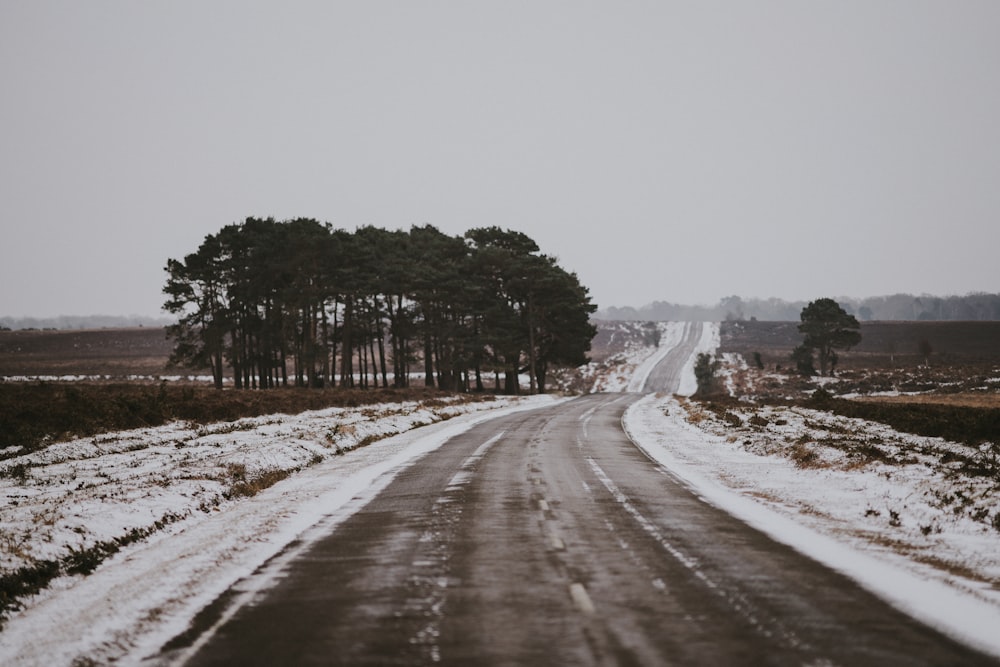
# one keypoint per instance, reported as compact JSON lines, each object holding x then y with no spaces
{"x":958,"y":350}
{"x":59,"y":384}
{"x":962,"y":367}
{"x":63,"y":384}
{"x":883,"y":344}
{"x":913,"y":483}
{"x":123,"y":372}
{"x":119,"y":353}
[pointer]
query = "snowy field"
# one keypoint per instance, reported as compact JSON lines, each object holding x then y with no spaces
{"x":188,"y":494}
{"x":898,"y":517}
{"x":628,"y":368}
{"x":906,"y":528}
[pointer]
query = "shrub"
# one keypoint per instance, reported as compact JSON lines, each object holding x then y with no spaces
{"x":802,"y":357}
{"x":33,"y":414}
{"x":705,"y":368}
{"x":732,"y":419}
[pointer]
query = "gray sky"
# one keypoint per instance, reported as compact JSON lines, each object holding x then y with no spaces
{"x":678,"y":151}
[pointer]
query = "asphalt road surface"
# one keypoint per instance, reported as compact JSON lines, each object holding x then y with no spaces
{"x":548,"y":538}
{"x":666,"y":375}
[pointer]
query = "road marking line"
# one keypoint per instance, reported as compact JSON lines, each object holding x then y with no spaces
{"x":481,"y":450}
{"x":463,"y":476}
{"x":581,"y":599}
{"x":557,"y":543}
{"x":735,"y":598}
{"x":542,"y":505}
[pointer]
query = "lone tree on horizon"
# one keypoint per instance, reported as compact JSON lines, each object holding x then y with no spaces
{"x":828,"y":327}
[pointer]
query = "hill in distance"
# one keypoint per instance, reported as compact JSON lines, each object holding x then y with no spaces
{"x":978,"y":306}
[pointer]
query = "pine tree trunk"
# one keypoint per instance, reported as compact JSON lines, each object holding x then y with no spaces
{"x":531,"y":351}
{"x":347,"y":345}
{"x":428,"y":361}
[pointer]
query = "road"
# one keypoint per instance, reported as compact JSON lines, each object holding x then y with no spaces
{"x":548,"y":538}
{"x":666,"y":375}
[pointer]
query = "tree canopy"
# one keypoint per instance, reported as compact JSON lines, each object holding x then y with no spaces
{"x":828,"y":327}
{"x":281,"y":302}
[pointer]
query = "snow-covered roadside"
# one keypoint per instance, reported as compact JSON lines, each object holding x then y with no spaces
{"x":671,"y":335}
{"x":847,"y":517}
{"x":149,"y":591}
{"x":106,"y":378}
{"x":96,"y":489}
{"x":707,"y":344}
{"x":623,"y":370}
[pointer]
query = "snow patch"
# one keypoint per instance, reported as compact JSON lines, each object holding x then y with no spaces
{"x":707,"y":344}
{"x":93,"y":489}
{"x":824,"y":513}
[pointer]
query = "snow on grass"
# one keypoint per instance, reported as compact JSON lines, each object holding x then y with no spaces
{"x":196,"y":499}
{"x":636,"y":355}
{"x":891,"y":510}
{"x":894,"y":511}
{"x":639,"y":362}
{"x":707,"y":344}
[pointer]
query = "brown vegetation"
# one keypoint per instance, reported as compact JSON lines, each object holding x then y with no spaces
{"x":965,"y":399}
{"x":106,"y":352}
{"x":883,"y":344}
{"x":33,"y":413}
{"x":955,"y":396}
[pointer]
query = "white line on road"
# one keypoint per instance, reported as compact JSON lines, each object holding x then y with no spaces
{"x":481,"y":450}
{"x":581,"y":599}
{"x":463,"y":476}
{"x":735,"y":598}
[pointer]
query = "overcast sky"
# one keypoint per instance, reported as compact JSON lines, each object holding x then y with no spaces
{"x":677,"y":151}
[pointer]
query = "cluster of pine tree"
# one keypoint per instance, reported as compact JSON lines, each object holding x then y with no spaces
{"x":281,"y":303}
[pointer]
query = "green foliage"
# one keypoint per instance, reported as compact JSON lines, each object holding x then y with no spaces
{"x":263,"y":295}
{"x":651,"y":334}
{"x":705,"y":367}
{"x":802,"y":357}
{"x":828,"y":327}
{"x":925,"y":349}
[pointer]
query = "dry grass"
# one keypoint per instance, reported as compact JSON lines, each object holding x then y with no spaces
{"x":804,"y":456}
{"x":32,"y":414}
{"x":114,"y":352}
{"x":965,"y":399}
{"x":246,"y":486}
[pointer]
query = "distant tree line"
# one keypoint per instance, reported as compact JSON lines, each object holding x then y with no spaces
{"x":279,"y":303}
{"x":896,"y":307}
{"x":63,"y":322}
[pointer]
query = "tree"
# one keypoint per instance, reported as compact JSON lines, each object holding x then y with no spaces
{"x":925,"y":349}
{"x":505,"y":268}
{"x":532,"y":314}
{"x":802,"y":357}
{"x":705,"y":367}
{"x":828,"y":327}
{"x":197,"y":295}
{"x":261,"y":295}
{"x":560,"y":330}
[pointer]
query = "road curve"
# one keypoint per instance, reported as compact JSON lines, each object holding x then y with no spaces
{"x":666,"y":375}
{"x":548,"y":538}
